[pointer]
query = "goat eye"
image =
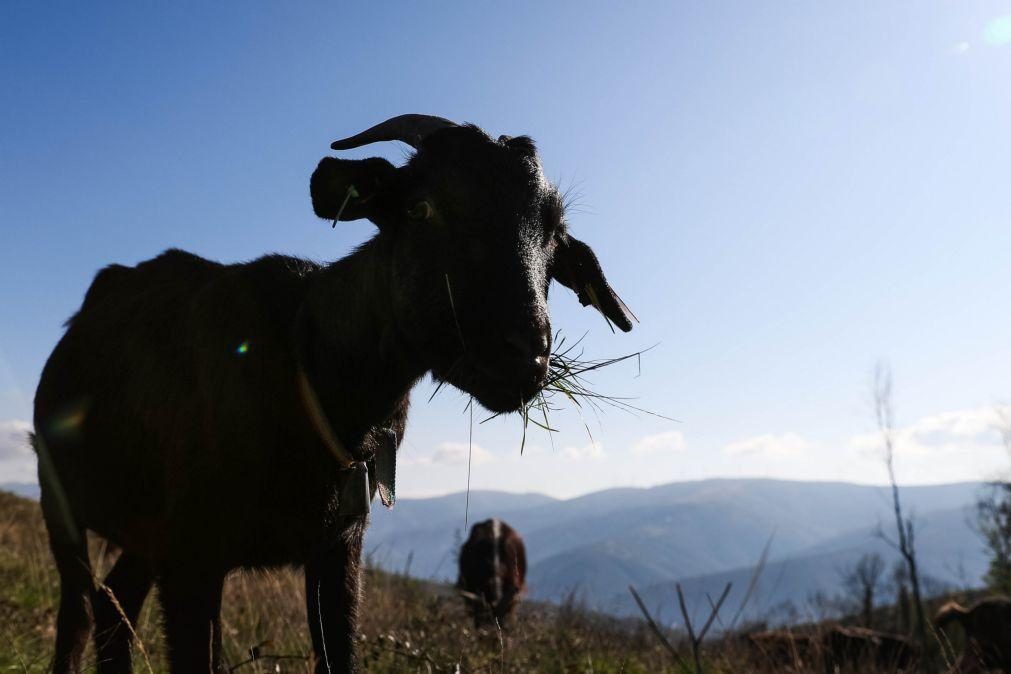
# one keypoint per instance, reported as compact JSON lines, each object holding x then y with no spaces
{"x":552,"y":225}
{"x":420,"y":211}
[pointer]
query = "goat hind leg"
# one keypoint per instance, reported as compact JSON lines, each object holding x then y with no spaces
{"x":74,"y":619}
{"x":117,"y":605}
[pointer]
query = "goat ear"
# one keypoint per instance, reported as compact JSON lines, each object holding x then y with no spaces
{"x":351,"y":189}
{"x":576,"y":267}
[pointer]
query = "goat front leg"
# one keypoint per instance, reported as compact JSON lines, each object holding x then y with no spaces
{"x":117,"y":605}
{"x":333,"y":593}
{"x":191,"y":604}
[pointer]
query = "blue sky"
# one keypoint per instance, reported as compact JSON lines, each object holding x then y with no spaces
{"x":783,"y":193}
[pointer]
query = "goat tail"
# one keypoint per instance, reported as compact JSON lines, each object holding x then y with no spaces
{"x":949,"y":613}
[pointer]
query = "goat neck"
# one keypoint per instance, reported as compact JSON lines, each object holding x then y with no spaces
{"x":350,"y":347}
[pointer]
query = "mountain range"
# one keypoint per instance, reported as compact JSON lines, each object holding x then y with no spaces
{"x":699,"y":534}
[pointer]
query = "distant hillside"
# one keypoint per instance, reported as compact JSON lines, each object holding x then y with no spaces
{"x":702,"y":533}
{"x":23,"y":489}
{"x":950,"y":555}
{"x":430,"y":530}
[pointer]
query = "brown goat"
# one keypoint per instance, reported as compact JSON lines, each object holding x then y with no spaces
{"x":858,"y":646}
{"x":783,"y":649}
{"x":205,"y":417}
{"x":493,"y":569}
{"x":839,"y":645}
{"x":987,"y":625}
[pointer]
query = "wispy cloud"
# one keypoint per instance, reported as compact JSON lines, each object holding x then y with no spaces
{"x":948,"y":432}
{"x":769,"y":445}
{"x":453,"y":454}
{"x":660,"y":443}
{"x":17,"y":461}
{"x":586,"y":452}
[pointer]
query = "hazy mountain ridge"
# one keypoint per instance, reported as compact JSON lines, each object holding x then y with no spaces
{"x":949,"y":554}
{"x":699,"y":533}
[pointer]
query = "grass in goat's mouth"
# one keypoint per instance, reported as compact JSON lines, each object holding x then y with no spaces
{"x":567,"y":380}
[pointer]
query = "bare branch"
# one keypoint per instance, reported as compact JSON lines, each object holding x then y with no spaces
{"x":655,"y":628}
{"x":714,"y":612}
{"x":684,"y":613}
{"x":696,"y":641}
{"x":885,"y":417}
{"x":753,"y":583}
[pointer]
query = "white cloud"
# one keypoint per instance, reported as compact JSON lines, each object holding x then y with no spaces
{"x":959,"y":431}
{"x":17,"y":460}
{"x":960,"y":48}
{"x":453,"y":454}
{"x":589,"y":451}
{"x":660,"y":443}
{"x":769,"y":445}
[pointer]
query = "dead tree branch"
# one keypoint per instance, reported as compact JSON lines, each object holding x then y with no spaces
{"x":885,"y":417}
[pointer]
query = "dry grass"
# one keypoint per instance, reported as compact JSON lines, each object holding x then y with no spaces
{"x":408,"y":625}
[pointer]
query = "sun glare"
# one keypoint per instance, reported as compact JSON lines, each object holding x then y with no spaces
{"x":998,"y":31}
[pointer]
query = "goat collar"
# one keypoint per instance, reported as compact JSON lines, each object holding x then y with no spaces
{"x":356,"y":494}
{"x":319,"y":421}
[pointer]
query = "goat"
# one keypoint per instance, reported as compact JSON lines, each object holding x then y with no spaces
{"x":861,"y":646}
{"x":987,"y":625}
{"x":786,"y":650}
{"x":205,"y":417}
{"x":493,"y":569}
{"x":839,"y":645}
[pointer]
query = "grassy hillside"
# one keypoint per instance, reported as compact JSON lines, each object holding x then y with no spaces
{"x":409,"y":625}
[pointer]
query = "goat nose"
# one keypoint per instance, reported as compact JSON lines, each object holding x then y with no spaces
{"x":527,"y":346}
{"x":530,"y":349}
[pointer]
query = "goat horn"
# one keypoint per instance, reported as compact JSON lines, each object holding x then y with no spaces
{"x":411,"y":129}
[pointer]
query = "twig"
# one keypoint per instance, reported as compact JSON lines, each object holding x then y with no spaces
{"x":696,"y":640}
{"x":419,"y":655}
{"x":256,"y":655}
{"x":712,"y":607}
{"x":452,"y":306}
{"x":753,"y":583}
{"x":656,"y":630}
{"x":715,"y":611}
{"x":470,"y":458}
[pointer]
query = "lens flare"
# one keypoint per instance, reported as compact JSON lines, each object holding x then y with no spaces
{"x":67,"y":423}
{"x":242,"y":349}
